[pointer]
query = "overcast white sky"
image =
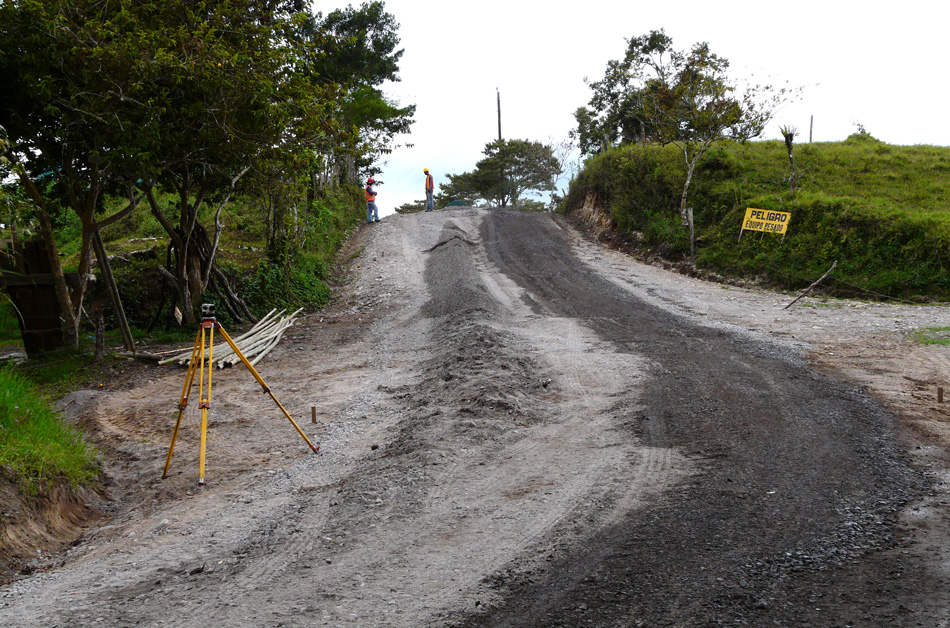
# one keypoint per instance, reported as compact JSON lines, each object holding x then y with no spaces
{"x":885,"y":66}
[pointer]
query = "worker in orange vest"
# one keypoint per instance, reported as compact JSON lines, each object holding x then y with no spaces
{"x":372,"y":213}
{"x":430,"y":189}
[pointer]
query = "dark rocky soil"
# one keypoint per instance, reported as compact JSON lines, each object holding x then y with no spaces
{"x":793,"y":518}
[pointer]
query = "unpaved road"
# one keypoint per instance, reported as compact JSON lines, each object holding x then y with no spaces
{"x":521,"y":428}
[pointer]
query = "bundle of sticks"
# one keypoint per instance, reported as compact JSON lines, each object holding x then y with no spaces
{"x":254,"y":344}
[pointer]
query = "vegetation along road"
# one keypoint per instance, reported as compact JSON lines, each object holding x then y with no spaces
{"x":521,"y":428}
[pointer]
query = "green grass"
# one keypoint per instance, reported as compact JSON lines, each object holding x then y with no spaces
{"x":933,"y":336}
{"x":881,"y":211}
{"x":9,"y":327}
{"x":36,"y":446}
{"x":880,"y":178}
{"x":58,"y":373}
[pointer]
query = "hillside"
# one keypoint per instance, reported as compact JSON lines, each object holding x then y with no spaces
{"x":881,"y":211}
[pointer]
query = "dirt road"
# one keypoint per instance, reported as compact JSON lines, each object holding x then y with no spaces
{"x":521,"y":428}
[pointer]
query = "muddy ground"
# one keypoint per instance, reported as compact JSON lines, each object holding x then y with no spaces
{"x":520,"y":427}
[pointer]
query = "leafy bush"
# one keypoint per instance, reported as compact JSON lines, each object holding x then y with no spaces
{"x":298,"y":276}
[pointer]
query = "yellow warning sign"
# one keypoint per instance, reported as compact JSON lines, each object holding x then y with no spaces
{"x":766,"y":220}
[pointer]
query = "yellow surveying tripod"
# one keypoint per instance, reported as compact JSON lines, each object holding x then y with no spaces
{"x":197,"y":365}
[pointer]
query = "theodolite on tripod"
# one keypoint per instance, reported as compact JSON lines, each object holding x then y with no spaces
{"x":197,"y":365}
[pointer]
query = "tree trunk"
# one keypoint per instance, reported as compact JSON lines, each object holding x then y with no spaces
{"x":187,"y":270}
{"x":351,"y":170}
{"x":690,"y":167}
{"x":793,"y":178}
{"x":270,"y":239}
{"x":113,"y":293}
{"x":195,"y":253}
{"x":692,"y":232}
{"x":191,"y":278}
{"x":88,"y":220}
{"x":685,"y":215}
{"x":70,"y":320}
{"x":178,"y":246}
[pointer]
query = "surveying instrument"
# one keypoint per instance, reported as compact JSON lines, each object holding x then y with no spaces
{"x":197,"y":365}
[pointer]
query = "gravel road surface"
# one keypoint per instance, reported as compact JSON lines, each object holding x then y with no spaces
{"x":519,"y":427}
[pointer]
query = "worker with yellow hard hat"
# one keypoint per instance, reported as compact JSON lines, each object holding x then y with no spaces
{"x":430,"y":189}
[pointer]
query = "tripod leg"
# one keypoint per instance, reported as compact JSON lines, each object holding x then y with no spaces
{"x":205,"y":400}
{"x":260,"y":381}
{"x":189,"y":381}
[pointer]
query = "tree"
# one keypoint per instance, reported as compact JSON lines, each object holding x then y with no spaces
{"x":458,"y":187}
{"x":413,"y":207}
{"x":509,"y":170}
{"x":357,"y":51}
{"x":66,"y":113}
{"x":232,"y":97}
{"x":673,"y":97}
{"x":179,"y":94}
{"x":276,"y":187}
{"x":123,"y":97}
{"x":618,"y":112}
{"x":563,"y":151}
{"x":788,"y":134}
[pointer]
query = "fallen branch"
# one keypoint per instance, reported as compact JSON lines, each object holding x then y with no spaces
{"x":809,"y":288}
{"x":138,"y":355}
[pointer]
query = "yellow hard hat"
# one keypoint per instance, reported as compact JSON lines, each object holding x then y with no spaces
{"x":425,"y":170}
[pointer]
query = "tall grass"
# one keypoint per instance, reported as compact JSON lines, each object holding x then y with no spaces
{"x":36,"y":446}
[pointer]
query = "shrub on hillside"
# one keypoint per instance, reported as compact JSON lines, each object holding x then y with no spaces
{"x":859,"y":202}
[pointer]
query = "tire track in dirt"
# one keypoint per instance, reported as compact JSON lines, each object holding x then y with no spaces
{"x":501,"y":470}
{"x":499,"y":441}
{"x":800,"y":475}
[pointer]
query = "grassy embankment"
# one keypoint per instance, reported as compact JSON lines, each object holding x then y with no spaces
{"x":36,"y":448}
{"x":881,"y":211}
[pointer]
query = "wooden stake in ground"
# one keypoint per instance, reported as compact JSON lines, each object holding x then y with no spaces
{"x":809,"y":288}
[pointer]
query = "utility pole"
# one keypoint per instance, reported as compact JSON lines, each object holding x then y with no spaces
{"x":499,"y":113}
{"x":811,"y":127}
